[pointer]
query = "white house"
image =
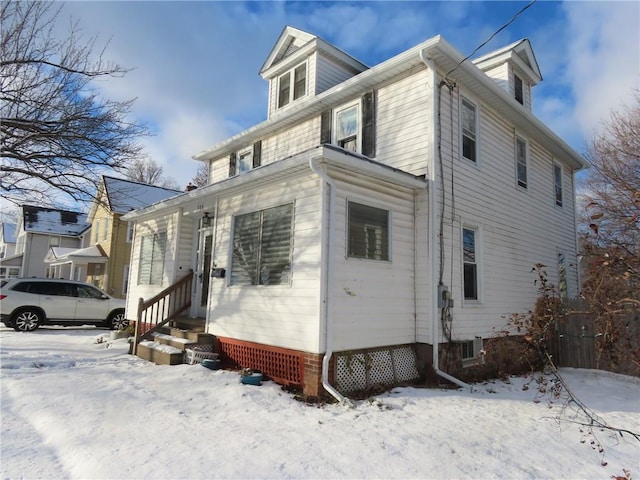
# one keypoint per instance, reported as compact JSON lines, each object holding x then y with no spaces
{"x":377,"y":212}
{"x":7,"y":249}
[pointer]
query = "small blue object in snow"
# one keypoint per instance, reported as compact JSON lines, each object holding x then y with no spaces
{"x":212,"y":364}
{"x":253,"y":379}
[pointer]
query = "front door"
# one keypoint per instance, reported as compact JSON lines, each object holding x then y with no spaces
{"x":203,"y":269}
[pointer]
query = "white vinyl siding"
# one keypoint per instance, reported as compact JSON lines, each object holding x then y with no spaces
{"x":517,"y":231}
{"x":263,"y":314}
{"x":330,"y":74}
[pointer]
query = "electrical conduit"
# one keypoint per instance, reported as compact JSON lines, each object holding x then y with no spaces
{"x":432,"y":227}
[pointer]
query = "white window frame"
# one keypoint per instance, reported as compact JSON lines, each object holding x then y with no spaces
{"x":244,"y":161}
{"x":474,"y":348}
{"x":385,"y":256}
{"x":125,"y":279}
{"x":54,"y":241}
{"x":338,"y":139}
{"x":291,"y":96}
{"x":257,"y":280}
{"x":558,"y":168}
{"x":95,"y":229}
{"x":471,"y":135}
{"x":517,"y":78}
{"x":476,"y":262}
{"x":524,"y":162}
{"x":130,"y":232}
{"x":156,"y":258}
{"x":105,"y":229}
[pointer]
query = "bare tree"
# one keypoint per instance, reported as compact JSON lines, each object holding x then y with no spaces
{"x":611,"y":237}
{"x":57,"y":134}
{"x":147,"y":170}
{"x":201,"y":178}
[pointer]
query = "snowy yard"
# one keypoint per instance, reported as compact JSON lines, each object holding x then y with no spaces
{"x":76,"y":408}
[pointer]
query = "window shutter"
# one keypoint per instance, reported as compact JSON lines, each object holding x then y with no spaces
{"x":257,"y":153}
{"x":369,"y":124}
{"x":232,"y":164}
{"x":325,"y":126}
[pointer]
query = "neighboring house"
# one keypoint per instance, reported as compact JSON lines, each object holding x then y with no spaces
{"x":7,"y":249}
{"x":39,"y":229}
{"x":104,"y":258}
{"x":377,"y":212}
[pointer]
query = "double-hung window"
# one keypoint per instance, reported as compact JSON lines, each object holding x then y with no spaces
{"x":557,"y":183}
{"x":368,"y":236}
{"x":470,"y":263}
{"x":151,"y":264}
{"x":245,"y":161}
{"x":521,"y":162}
{"x":518,"y":91}
{"x":292,"y":85}
{"x":262,"y":243}
{"x":348,"y":127}
{"x":469,"y":128}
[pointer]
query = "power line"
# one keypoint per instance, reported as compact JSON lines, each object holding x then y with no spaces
{"x":491,"y":37}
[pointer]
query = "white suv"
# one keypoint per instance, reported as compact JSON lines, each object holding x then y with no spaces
{"x":27,"y":303}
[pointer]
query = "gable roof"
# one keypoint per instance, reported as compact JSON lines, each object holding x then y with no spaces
{"x":294,"y":44}
{"x":126,"y":195}
{"x":50,"y":221}
{"x":520,"y":53}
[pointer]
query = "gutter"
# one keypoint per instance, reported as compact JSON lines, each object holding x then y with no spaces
{"x":325,"y":288}
{"x":435,"y":314}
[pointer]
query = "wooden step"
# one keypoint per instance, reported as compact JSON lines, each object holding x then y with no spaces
{"x":160,"y":353}
{"x":188,"y":323}
{"x":194,"y":337}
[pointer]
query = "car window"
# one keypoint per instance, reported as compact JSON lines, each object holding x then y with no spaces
{"x":58,"y":289}
{"x":22,"y":287}
{"x":86,"y":291}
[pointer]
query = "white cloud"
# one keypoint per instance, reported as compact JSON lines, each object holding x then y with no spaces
{"x":603,"y":57}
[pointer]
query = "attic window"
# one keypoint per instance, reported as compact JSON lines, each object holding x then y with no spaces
{"x":517,"y":89}
{"x":292,"y":85}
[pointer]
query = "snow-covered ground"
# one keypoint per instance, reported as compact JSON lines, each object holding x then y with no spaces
{"x":74,"y":406}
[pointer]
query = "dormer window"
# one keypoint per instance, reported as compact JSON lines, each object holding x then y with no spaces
{"x":292,"y":85}
{"x":517,"y":89}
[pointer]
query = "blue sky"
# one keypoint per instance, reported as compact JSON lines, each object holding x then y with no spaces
{"x":195,"y":64}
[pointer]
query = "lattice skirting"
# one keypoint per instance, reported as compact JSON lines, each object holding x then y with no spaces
{"x":363,"y":369}
{"x":283,"y":366}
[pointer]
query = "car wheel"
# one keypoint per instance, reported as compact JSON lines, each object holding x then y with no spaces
{"x":26,"y":320}
{"x":117,"y":321}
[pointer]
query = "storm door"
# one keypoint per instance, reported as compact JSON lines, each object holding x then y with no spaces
{"x":204,"y":254}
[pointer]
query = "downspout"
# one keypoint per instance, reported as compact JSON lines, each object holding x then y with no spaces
{"x":435,"y":314}
{"x":325,"y":288}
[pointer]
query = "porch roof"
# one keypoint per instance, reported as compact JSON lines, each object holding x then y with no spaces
{"x":62,"y":255}
{"x":327,"y":154}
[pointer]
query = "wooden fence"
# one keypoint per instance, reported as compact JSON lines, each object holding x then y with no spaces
{"x":576,"y":341}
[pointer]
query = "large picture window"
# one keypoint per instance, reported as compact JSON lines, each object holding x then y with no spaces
{"x":262,"y":247}
{"x":368,"y":236}
{"x":470,"y":263}
{"x":151,"y":266}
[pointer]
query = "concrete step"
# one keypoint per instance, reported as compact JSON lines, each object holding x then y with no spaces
{"x":173,"y":341}
{"x":160,"y":353}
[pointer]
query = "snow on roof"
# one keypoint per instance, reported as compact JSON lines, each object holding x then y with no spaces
{"x":126,"y":195}
{"x":59,"y":253}
{"x":53,"y":222}
{"x":9,"y":232}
